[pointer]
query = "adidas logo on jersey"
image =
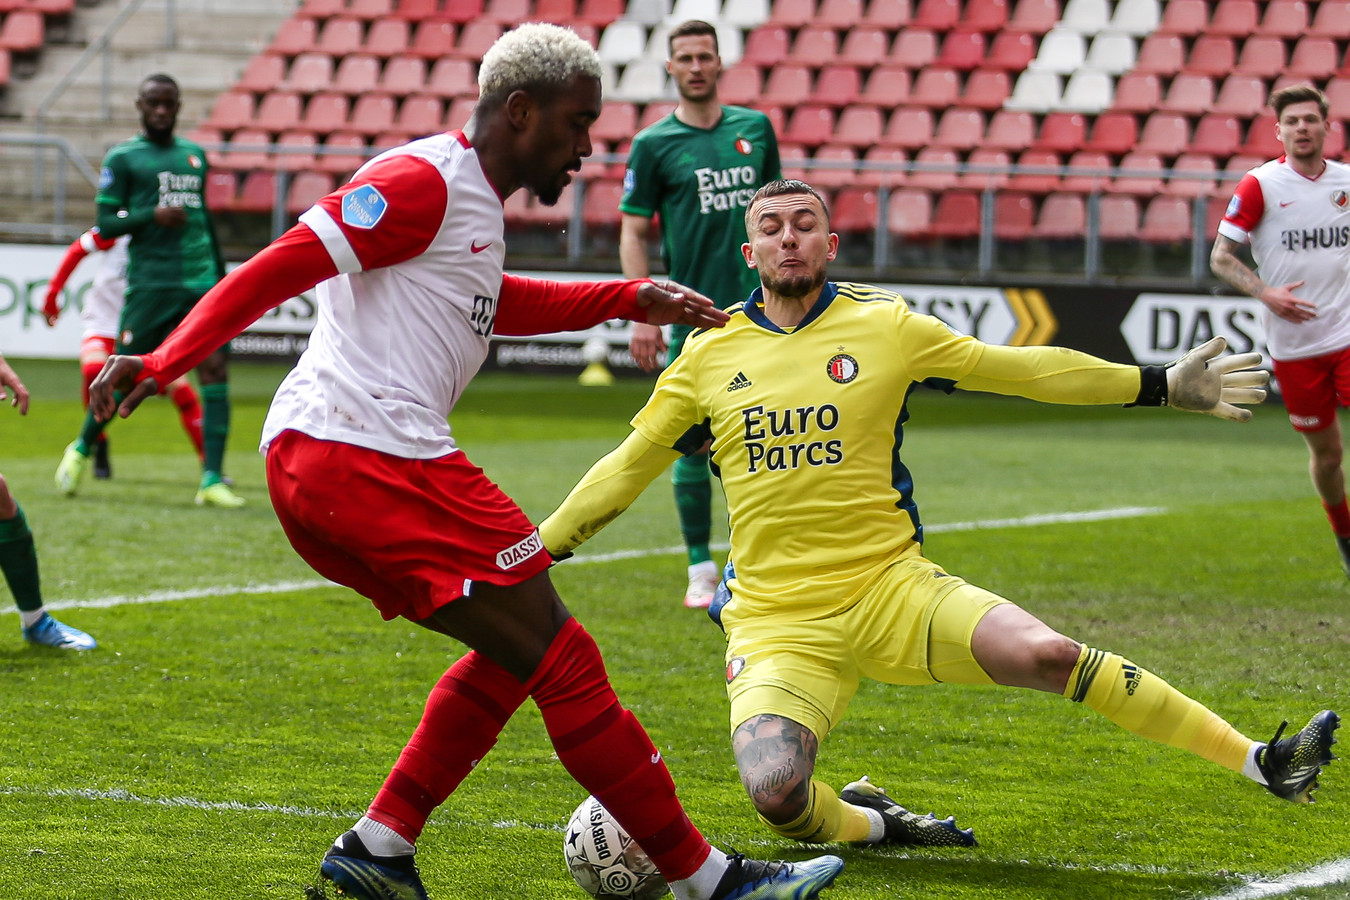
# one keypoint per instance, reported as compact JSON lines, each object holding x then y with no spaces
{"x":740,"y":381}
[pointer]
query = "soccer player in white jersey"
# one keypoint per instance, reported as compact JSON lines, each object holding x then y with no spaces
{"x":1295,"y":213}
{"x":373,"y":492}
{"x":803,"y":397}
{"x":100,"y":310}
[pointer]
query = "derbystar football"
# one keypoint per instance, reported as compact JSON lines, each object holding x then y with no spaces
{"x":605,"y":861}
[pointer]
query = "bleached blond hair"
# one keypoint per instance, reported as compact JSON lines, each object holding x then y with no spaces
{"x":535,"y":56}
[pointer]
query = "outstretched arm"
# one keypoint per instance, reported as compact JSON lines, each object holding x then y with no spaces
{"x":608,"y":489}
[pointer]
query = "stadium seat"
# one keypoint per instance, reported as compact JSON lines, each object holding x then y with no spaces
{"x":279,"y":111}
{"x":1190,"y":94}
{"x":326,"y":112}
{"x":247,"y":150}
{"x":959,"y":129}
{"x":962,"y":50}
{"x":889,"y":15}
{"x":1261,"y":139}
{"x":793,"y":158}
{"x":476,"y":37}
{"x":295,"y":35}
{"x":910,"y":127}
{"x":1114,"y":133}
{"x":1010,"y":129}
{"x":935,"y":87}
{"x":507,"y":12}
{"x":1165,"y":133}
{"x":1112,"y":52}
{"x":1236,"y":18}
{"x":1217,"y":135}
{"x":1167,"y":219}
{"x":860,"y":126}
{"x":837,"y":14}
{"x":372,"y":114}
{"x":1043,"y":177}
{"x":986,"y":89}
{"x":420,"y":114}
{"x":1263,"y":55}
{"x":1186,"y":18}
{"x":1161,"y":53}
{"x":403,"y":75}
{"x":257,"y":193}
{"x":295,"y":151}
{"x":888,"y":87}
{"x":741,"y":13}
{"x":417,"y":10}
{"x":306,"y":189}
{"x":986,"y":169}
{"x":1036,"y":91}
{"x":1188,"y":175}
{"x":884,"y":165}
{"x":855,"y":209}
{"x":1118,"y":217}
{"x":1286,"y":19}
{"x":655,"y":111}
{"x":340,"y":36}
{"x":766,"y":47}
{"x":792,"y":13}
{"x":206,"y":136}
{"x":842,"y":172}
{"x":617,"y":122}
{"x":600,"y":204}
{"x":1012,"y":51}
{"x":1138,"y":92}
{"x":1086,"y":16}
{"x":1014,"y":216}
{"x":221,"y":187}
{"x":388,"y":37}
{"x":263,"y":72}
{"x":642,"y":80}
{"x":985,"y":15}
{"x":914,"y":48}
{"x":1313,"y":57}
{"x":232,"y":109}
{"x":1062,"y":132}
{"x":349,"y":151}
{"x":599,"y":12}
{"x":1086,"y":172}
{"x":1089,"y":91}
{"x":1137,"y":174}
{"x":622,"y":42}
{"x":1062,"y":51}
{"x":939,"y":15}
{"x":1137,"y":17}
{"x":1338,"y":96}
{"x":309,"y":72}
{"x":1061,"y":216}
{"x":1212,"y":54}
{"x":740,"y":85}
{"x":1035,"y":16}
{"x":357,"y":74}
{"x":1241,"y":94}
{"x":956,"y":215}
{"x":787,"y":85}
{"x":433,"y":39}
{"x":370,"y":9}
{"x":1332,"y":19}
{"x":864,"y":47}
{"x":451,"y":77}
{"x":935,"y":169}
{"x":810,"y":125}
{"x":836,"y":85}
{"x":909,"y":213}
{"x":323,"y":9}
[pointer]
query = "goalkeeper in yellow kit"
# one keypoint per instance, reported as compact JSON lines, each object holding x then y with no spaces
{"x":802,"y":396}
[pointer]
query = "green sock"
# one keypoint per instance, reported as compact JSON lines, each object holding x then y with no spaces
{"x":693,"y":501}
{"x":90,"y":432}
{"x":215,"y":430}
{"x":18,"y":560}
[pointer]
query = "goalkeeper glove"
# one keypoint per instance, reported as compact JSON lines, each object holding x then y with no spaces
{"x":1203,"y":382}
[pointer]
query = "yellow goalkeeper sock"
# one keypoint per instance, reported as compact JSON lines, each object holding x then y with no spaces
{"x":827,"y":818}
{"x":1141,"y":702}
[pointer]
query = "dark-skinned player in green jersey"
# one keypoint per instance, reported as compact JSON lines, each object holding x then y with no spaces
{"x":152,"y":187}
{"x":697,"y":168}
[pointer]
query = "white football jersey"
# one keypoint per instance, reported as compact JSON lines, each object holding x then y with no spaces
{"x":1299,"y":230}
{"x":417,"y":239}
{"x":102,"y":303}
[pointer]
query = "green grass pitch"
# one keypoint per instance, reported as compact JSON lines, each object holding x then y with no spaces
{"x":219,"y":739}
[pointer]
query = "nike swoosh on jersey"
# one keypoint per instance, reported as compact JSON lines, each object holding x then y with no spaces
{"x":474,"y":248}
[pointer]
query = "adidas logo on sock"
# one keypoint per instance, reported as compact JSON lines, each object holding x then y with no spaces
{"x":740,"y":381}
{"x":1132,"y":678}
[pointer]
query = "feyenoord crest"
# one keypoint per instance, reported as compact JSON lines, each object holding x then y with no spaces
{"x":743,"y":147}
{"x":842,"y":368}
{"x":1340,"y":199}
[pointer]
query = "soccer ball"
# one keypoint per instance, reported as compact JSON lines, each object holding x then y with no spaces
{"x":605,"y":861}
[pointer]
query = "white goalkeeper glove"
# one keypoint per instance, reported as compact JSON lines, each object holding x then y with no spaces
{"x":1203,"y":382}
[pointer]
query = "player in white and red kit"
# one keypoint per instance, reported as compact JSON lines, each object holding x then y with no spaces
{"x":373,"y":492}
{"x":100,"y":311}
{"x":1295,"y":213}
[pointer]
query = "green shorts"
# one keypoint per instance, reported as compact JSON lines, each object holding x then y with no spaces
{"x":912,"y":626}
{"x":150,"y":314}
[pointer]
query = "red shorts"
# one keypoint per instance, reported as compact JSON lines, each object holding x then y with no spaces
{"x":1313,"y":388}
{"x":410,"y":534}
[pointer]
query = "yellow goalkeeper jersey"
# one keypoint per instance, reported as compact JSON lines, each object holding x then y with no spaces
{"x":807,"y":427}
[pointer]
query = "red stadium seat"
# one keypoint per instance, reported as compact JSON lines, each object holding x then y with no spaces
{"x":357,"y":74}
{"x":1061,"y":216}
{"x":1011,"y":50}
{"x":1137,"y":175}
{"x":1010,"y":129}
{"x":1034,"y":16}
{"x":1165,"y":133}
{"x":766,"y":47}
{"x":476,"y":37}
{"x":963,"y":50}
{"x":349,"y":152}
{"x":433,"y":39}
{"x":815,"y":46}
{"x":323,"y":9}
{"x":865,"y":47}
{"x":1261,"y":140}
{"x":860,"y":126}
{"x":1286,"y":18}
{"x":1190,"y":94}
{"x":656,"y":110}
{"x":600,"y":12}
{"x":373,"y":113}
{"x":1161,"y":53}
{"x":855,"y":209}
{"x":792,"y":13}
{"x":889,"y":87}
{"x":451,"y":77}
{"x":1062,"y":132}
{"x":889,"y":15}
{"x":957,"y":215}
{"x":936,"y":87}
{"x":600,"y":205}
{"x":741,"y":84}
{"x":248,"y":150}
{"x":1240,"y":95}
{"x":914,"y":48}
{"x":1332,"y":19}
{"x":1014,"y":216}
{"x":985,"y":15}
{"x":794,"y":157}
{"x":1086,"y":172}
{"x":883,"y":165}
{"x":326,"y":112}
{"x":1166,"y":220}
{"x":1237,"y":18}
{"x":910,"y":127}
{"x":810,"y":125}
{"x":909,"y":213}
{"x":557,"y":11}
{"x":388,"y":37}
{"x":258,"y":193}
{"x":1188,"y":178}
{"x":340,"y":36}
{"x":1217,"y":135}
{"x":939,"y":15}
{"x":404,"y":75}
{"x":306,"y":189}
{"x":985,"y":168}
{"x":417,"y":10}
{"x":1118,"y":218}
{"x":370,"y":9}
{"x":935,"y":169}
{"x":507,"y":12}
{"x":1041,"y":179}
{"x":457,"y":112}
{"x":1313,"y":57}
{"x":787,"y":85}
{"x":843,"y":170}
{"x":1114,"y":133}
{"x":1184,"y":17}
{"x":279,"y":111}
{"x":959,"y":129}
{"x":986,"y":89}
{"x":839,"y":14}
{"x":295,"y":35}
{"x":836,"y":85}
{"x":1212,"y":54}
{"x":263,"y":72}
{"x":1263,"y":55}
{"x":1138,"y":92}
{"x":295,"y":151}
{"x":221,"y":187}
{"x":617,"y":122}
{"x":232,"y":109}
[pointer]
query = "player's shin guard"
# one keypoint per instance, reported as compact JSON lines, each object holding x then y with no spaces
{"x":190,"y":414}
{"x":693,"y":502}
{"x":215,"y":426}
{"x":604,"y":747}
{"x":465,"y":713}
{"x":1141,"y":702}
{"x":826,"y":819}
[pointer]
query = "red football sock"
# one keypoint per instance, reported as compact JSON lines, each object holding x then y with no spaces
{"x":190,"y":413}
{"x":604,"y":747}
{"x":466,"y":711}
{"x":1338,"y":515}
{"x":89,"y":371}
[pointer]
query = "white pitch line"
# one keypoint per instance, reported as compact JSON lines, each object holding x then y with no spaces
{"x":1325,"y":875}
{"x":1097,"y":515}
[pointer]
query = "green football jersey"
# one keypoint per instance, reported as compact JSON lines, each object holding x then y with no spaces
{"x":138,"y":176}
{"x":700,"y":180}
